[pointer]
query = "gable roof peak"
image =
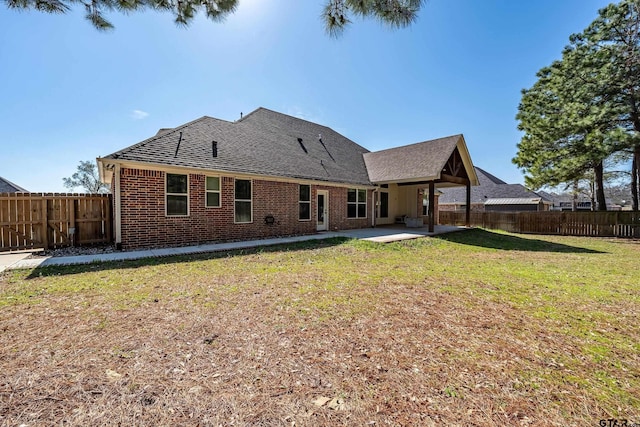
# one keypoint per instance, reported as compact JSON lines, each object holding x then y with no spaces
{"x":429,"y":141}
{"x":277,"y":113}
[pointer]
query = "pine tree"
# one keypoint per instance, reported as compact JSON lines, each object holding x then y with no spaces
{"x":585,"y":107}
{"x":337,"y":13}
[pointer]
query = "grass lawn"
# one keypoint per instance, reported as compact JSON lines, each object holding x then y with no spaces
{"x":473,"y":328}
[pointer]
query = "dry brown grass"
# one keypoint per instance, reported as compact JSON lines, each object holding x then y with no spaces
{"x":404,"y":334}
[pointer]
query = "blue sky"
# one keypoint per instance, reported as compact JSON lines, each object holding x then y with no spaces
{"x":70,"y":93}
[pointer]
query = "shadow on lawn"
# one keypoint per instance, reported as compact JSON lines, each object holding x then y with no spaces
{"x":58,"y":270}
{"x":508,"y":242}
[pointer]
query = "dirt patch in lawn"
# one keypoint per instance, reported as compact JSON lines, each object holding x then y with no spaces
{"x":351,"y":334}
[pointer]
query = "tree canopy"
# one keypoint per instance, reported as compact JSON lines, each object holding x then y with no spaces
{"x":336,"y":15}
{"x":583,"y":109}
{"x":87,"y":178}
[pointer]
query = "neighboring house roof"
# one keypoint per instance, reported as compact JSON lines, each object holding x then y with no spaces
{"x":425,"y":160}
{"x":490,"y":188}
{"x":264,"y":142}
{"x":7,"y":186}
{"x":546,"y":195}
{"x":563,"y":198}
{"x":514,"y":201}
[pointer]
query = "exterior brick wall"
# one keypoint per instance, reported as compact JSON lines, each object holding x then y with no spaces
{"x":425,"y":218}
{"x":338,"y":209}
{"x":145,"y":224}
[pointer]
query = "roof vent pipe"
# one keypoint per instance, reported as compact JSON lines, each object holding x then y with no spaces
{"x":214,"y":148}
{"x":240,"y":115}
{"x":302,"y":145}
{"x":178,"y":146}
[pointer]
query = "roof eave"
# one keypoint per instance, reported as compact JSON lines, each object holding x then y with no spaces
{"x":106,"y":172}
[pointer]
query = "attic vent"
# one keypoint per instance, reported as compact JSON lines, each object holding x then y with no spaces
{"x":214,"y":148}
{"x":302,"y":145}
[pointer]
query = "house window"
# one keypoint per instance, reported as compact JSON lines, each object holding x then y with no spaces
{"x":212,"y":189}
{"x":243,"y":203}
{"x":177,"y":195}
{"x":304,"y":203}
{"x":356,"y":203}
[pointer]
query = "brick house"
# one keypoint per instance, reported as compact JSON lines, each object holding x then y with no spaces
{"x":269,"y":174}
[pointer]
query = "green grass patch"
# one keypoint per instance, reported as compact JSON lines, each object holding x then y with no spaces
{"x":559,"y":313}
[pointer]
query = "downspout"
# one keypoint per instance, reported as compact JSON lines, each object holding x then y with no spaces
{"x":374,"y":211}
{"x":118,"y":207}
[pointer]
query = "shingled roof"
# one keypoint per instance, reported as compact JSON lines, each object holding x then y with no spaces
{"x":264,"y":142}
{"x":490,"y":188}
{"x":7,"y":186}
{"x":273,"y":144}
{"x":423,"y":161}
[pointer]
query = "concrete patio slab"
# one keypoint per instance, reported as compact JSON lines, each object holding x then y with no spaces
{"x":7,"y":260}
{"x":383,"y":234}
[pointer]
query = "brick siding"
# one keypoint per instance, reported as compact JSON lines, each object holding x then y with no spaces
{"x":145,"y":225}
{"x":425,"y":218}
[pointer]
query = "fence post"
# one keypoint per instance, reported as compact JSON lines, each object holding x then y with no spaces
{"x":107,"y":205}
{"x":72,"y":223}
{"x":45,"y":222}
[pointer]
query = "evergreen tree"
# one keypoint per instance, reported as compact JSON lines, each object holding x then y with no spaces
{"x":584,"y":108}
{"x":615,"y":34}
{"x":336,"y":15}
{"x":563,"y":139}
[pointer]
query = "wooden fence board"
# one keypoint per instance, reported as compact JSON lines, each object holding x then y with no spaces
{"x":598,"y":224}
{"x":38,"y":220}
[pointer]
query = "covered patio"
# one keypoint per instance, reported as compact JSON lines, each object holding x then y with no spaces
{"x":408,"y":179}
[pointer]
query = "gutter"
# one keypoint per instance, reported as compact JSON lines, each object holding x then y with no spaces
{"x":118,"y":208}
{"x":374,"y":211}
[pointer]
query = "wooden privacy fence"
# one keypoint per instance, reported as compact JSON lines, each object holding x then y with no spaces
{"x":600,"y":224}
{"x":52,"y":220}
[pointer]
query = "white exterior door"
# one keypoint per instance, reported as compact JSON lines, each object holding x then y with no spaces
{"x":322,"y":208}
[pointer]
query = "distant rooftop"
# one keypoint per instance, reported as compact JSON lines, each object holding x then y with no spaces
{"x":7,"y":186}
{"x":490,"y":187}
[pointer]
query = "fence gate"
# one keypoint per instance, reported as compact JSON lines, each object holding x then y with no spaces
{"x":53,"y":220}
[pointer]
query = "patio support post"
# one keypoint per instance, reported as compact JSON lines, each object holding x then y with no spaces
{"x":468,"y":212}
{"x":432,"y":201}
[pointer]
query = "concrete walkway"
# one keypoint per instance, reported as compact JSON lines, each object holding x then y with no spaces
{"x":384,"y":234}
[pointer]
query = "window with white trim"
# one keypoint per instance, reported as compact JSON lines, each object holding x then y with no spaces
{"x":177,"y":195}
{"x":212,"y":191}
{"x":304,"y":203}
{"x":356,"y":203}
{"x":243,"y":201}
